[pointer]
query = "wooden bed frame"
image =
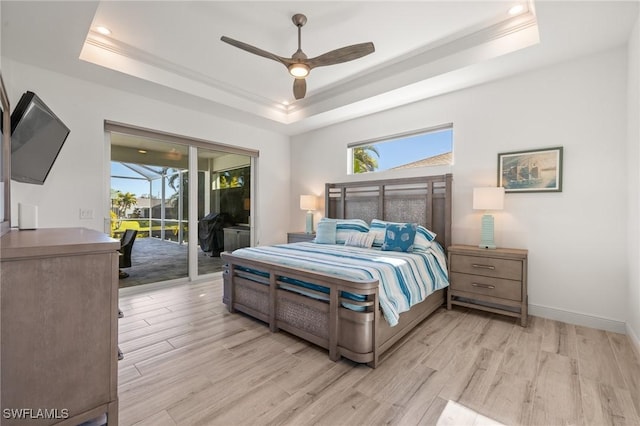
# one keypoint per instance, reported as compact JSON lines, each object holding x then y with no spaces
{"x":361,"y":336}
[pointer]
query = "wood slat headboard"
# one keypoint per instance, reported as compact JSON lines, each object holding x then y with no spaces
{"x":425,"y":200}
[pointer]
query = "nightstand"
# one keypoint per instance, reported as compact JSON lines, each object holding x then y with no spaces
{"x":298,"y":237}
{"x":490,"y":280}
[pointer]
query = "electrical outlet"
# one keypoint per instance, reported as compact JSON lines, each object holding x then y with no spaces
{"x":86,"y":214}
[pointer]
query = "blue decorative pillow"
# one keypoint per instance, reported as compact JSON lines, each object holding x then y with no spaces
{"x":344,"y":227}
{"x":399,"y":237}
{"x":422,"y":241}
{"x":326,"y":232}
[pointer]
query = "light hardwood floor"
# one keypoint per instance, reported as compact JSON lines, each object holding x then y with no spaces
{"x":189,"y":362}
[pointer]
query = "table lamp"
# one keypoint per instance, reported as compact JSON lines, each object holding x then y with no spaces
{"x":308,"y":203}
{"x":490,"y":198}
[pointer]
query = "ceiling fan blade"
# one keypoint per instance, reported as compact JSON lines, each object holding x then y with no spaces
{"x":256,"y":51}
{"x":344,"y":54}
{"x":299,"y":88}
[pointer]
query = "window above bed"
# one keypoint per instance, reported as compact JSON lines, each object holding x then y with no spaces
{"x":421,"y":148}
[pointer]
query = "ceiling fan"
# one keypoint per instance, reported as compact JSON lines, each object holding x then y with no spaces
{"x":299,"y":65}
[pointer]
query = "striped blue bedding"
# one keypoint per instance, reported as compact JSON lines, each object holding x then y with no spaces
{"x":405,"y":278}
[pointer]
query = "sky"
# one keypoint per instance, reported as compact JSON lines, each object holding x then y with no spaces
{"x":137,"y":187}
{"x":407,"y":150}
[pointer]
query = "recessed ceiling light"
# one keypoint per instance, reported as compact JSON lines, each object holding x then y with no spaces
{"x":142,"y":151}
{"x":103,"y":30}
{"x":516,"y":10}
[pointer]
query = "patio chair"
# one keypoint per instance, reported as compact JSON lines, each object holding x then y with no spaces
{"x":126,"y":246}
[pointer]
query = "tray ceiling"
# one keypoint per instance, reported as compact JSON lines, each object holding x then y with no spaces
{"x":171,"y":50}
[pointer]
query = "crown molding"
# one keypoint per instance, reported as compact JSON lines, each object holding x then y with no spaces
{"x":428,"y":56}
{"x":370,"y":91}
{"x":115,"y":47}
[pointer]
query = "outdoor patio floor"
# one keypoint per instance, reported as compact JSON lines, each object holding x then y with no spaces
{"x":154,"y":260}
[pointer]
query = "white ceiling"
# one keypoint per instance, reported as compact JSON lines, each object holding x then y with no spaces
{"x":171,"y":50}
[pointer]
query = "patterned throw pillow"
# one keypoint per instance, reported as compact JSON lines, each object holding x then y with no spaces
{"x":399,"y":237}
{"x":422,"y":240}
{"x":326,"y":232}
{"x":360,"y":239}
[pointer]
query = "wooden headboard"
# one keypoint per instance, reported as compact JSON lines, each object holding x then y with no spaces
{"x":425,"y":200}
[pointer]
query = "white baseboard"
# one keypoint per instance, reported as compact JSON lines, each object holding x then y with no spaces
{"x":635,"y":341}
{"x":577,"y":318}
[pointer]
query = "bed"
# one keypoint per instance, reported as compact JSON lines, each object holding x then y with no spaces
{"x":336,"y":311}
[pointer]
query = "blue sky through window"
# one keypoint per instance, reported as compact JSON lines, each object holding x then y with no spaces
{"x":404,"y":150}
{"x":138,"y":186}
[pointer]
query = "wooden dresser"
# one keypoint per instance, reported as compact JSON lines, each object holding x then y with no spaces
{"x":491,"y":280}
{"x":59,"y":298}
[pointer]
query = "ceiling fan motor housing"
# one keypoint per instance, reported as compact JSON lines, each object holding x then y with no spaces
{"x":299,"y":19}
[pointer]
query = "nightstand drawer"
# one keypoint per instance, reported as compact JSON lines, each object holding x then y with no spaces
{"x":495,"y":287}
{"x":299,"y":237}
{"x":487,"y":266}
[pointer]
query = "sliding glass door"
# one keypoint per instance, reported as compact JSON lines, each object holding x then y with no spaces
{"x":224,"y":205}
{"x":147,"y":194}
{"x":187,"y":202}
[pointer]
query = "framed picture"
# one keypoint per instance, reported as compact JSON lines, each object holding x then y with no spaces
{"x":538,"y":170}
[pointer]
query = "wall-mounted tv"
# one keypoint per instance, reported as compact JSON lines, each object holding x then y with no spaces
{"x":37,"y":136}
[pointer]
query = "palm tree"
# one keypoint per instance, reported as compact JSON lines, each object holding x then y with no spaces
{"x":174,"y":175}
{"x":124,"y":201}
{"x":179,"y":182}
{"x":363,"y":161}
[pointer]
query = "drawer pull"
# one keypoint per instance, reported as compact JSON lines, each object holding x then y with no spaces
{"x":489,"y":286}
{"x":475,"y":265}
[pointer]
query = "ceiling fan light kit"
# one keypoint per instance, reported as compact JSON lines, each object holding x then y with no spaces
{"x":299,"y":70}
{"x":299,"y":65}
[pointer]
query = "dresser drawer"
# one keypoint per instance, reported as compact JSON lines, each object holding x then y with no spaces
{"x":487,"y":266}
{"x":495,"y":287}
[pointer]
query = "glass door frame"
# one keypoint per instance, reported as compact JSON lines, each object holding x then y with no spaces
{"x":192,"y":145}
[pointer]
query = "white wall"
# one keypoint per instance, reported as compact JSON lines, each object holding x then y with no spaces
{"x":633,"y":160}
{"x":77,"y":179}
{"x":579,"y":266}
{"x":576,"y":238}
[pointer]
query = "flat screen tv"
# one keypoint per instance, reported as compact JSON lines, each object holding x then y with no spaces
{"x":37,"y":136}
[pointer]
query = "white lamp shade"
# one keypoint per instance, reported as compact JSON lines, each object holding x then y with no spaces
{"x":489,"y":198}
{"x":308,"y":202}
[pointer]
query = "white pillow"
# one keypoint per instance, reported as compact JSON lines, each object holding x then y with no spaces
{"x":360,"y":239}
